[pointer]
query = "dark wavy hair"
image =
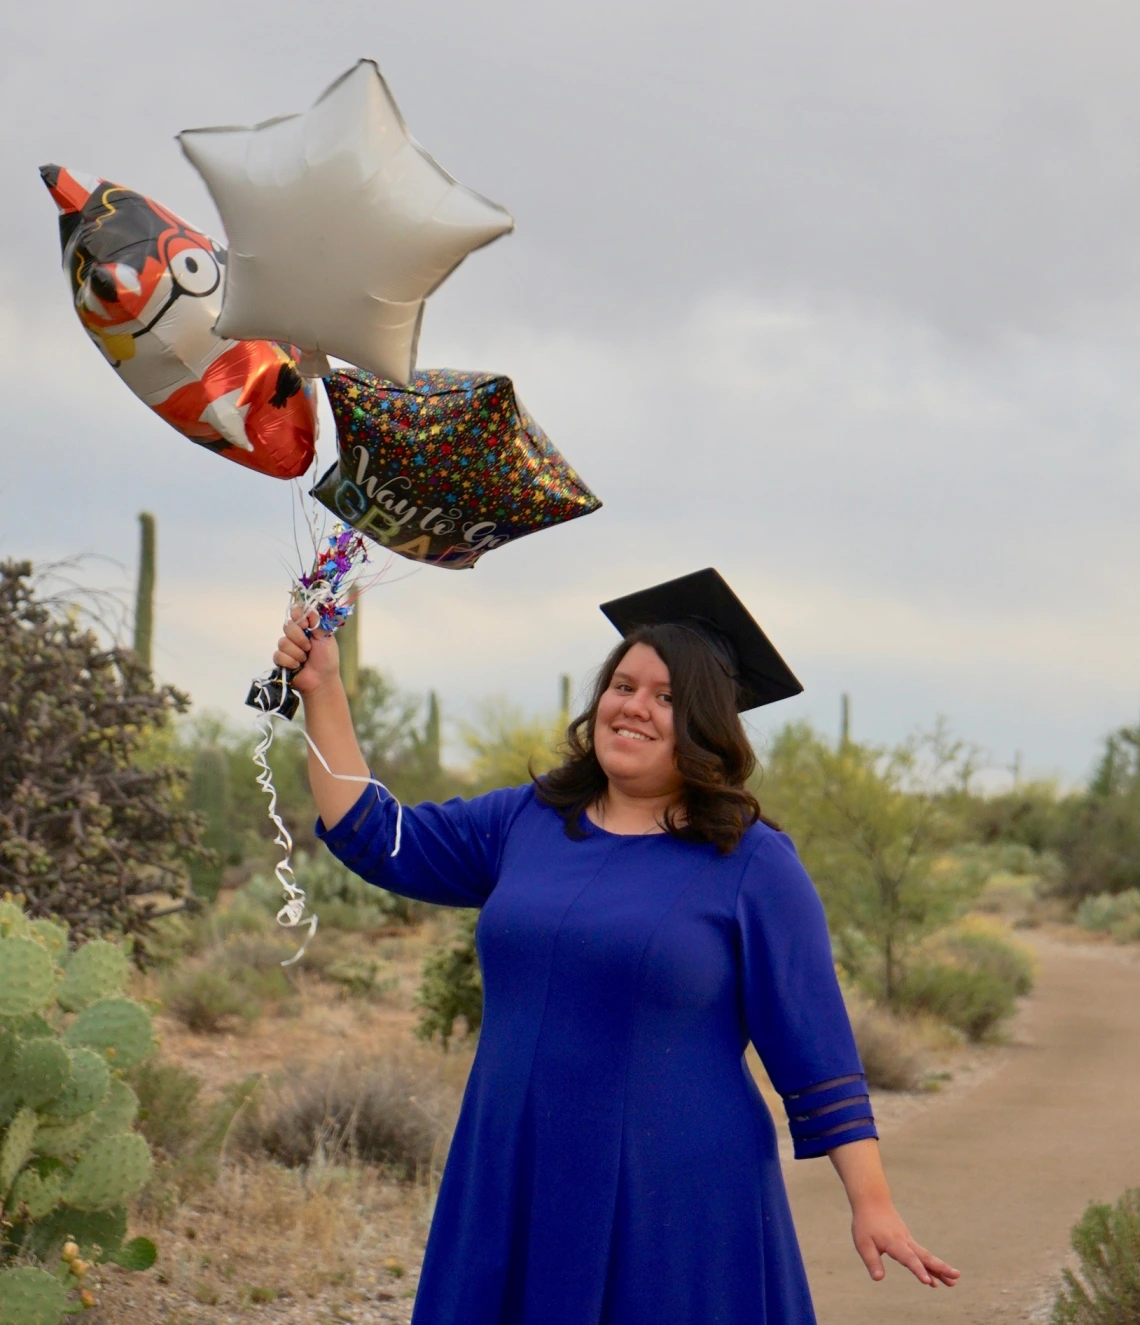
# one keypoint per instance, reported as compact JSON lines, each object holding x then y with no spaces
{"x":712,"y":752}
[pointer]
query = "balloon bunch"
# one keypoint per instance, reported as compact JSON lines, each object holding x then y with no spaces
{"x":340,"y":226}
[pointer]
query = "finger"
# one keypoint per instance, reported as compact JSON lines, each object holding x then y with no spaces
{"x":295,"y":633}
{"x":297,"y":612}
{"x":871,"y":1258}
{"x":289,"y":654}
{"x":908,"y":1257}
{"x":940,"y":1269}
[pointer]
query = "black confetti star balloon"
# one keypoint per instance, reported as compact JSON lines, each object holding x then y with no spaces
{"x":446,"y":468}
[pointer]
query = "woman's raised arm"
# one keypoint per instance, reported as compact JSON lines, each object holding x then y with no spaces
{"x":328,"y":719}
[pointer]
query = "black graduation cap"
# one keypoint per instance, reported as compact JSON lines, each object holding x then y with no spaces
{"x":705,"y":604}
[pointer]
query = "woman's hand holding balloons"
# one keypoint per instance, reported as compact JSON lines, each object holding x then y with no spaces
{"x":309,"y":652}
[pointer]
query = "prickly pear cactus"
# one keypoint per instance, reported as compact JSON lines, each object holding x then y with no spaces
{"x":29,"y":1296}
{"x":27,"y":975}
{"x":90,"y":1077}
{"x":69,"y":1161}
{"x":118,"y":1027}
{"x":110,"y":1171}
{"x":98,"y":969}
{"x":42,"y":1070}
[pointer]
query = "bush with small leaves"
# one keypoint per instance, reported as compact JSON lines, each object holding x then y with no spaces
{"x":1117,"y":914}
{"x":981,"y":943}
{"x":1105,"y":1290}
{"x":974,"y":1002}
{"x":90,"y":833}
{"x":69,"y":1159}
{"x":451,"y":986}
{"x":206,"y":1000}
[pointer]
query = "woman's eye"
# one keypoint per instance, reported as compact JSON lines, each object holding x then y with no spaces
{"x":195,"y":271}
{"x":665,"y":697}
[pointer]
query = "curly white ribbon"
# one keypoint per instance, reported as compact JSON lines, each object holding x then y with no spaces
{"x":292,"y":913}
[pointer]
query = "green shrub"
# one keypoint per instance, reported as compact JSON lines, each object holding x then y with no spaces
{"x":253,"y":964}
{"x":168,"y":1103}
{"x":1106,"y":1288}
{"x":70,"y":1159}
{"x":1117,"y":914}
{"x":985,"y":945}
{"x":206,"y":1000}
{"x":451,"y":986}
{"x":233,"y":980}
{"x":340,"y":898}
{"x":973,"y":1001}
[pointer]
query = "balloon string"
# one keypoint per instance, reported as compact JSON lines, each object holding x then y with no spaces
{"x":292,"y":913}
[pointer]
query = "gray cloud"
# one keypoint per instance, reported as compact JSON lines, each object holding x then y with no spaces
{"x":840,"y":298}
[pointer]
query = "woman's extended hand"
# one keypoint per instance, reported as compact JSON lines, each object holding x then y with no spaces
{"x":878,"y":1230}
{"x":876,"y":1226}
{"x":315,"y":654}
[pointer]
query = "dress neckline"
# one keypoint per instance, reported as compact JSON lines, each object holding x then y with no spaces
{"x":589,"y":826}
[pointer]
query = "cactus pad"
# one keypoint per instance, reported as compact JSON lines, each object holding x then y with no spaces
{"x":9,"y":1095}
{"x":17,"y":1147}
{"x":12,"y":918}
{"x":99,"y":1234}
{"x":52,"y":934}
{"x":116,"y":1113}
{"x":96,"y":970}
{"x":109,"y":1172}
{"x":118,"y":1027}
{"x":89,"y":1079}
{"x":138,"y":1254}
{"x":32,"y":1027}
{"x":42,"y":1071}
{"x":62,"y":1140}
{"x":39,"y":1193}
{"x":29,"y":1296}
{"x":26,"y":976}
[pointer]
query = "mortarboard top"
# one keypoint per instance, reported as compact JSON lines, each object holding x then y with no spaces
{"x":704,"y":603}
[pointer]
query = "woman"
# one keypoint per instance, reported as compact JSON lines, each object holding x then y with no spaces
{"x":614,"y":1163}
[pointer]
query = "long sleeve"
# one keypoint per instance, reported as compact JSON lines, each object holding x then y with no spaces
{"x":449,"y":854}
{"x":793,"y":1007}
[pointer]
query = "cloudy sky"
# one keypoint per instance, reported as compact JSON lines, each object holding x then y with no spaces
{"x":842,"y":299}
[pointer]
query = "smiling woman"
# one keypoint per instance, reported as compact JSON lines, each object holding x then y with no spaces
{"x":660,"y":748}
{"x":614,"y":1162}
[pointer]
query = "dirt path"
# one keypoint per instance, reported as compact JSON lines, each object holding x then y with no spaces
{"x":994,"y":1179}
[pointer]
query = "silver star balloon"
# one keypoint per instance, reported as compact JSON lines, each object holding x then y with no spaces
{"x":340,"y":225}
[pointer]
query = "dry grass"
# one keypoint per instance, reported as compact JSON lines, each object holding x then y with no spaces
{"x":890,"y":1048}
{"x":332,"y":1243}
{"x":394,"y":1111}
{"x":336,"y":1239}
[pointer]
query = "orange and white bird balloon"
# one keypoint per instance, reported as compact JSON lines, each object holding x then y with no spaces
{"x":148,"y":290}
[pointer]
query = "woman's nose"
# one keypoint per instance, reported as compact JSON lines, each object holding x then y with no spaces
{"x":636,"y":705}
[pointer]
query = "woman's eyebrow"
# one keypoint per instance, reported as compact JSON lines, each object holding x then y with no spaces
{"x":625,"y":676}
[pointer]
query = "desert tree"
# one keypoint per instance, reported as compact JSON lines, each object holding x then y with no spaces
{"x":92,"y":830}
{"x":873,"y":825}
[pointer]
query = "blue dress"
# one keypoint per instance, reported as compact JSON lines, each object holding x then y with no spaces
{"x":614,"y":1162}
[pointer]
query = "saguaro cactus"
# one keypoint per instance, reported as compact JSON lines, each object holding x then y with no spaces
{"x":348,"y":644}
{"x":144,"y":592}
{"x":432,"y":736}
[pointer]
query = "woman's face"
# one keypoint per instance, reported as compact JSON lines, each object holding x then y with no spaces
{"x":633,"y":730}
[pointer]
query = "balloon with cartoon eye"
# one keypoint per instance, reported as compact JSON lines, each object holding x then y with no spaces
{"x":195,"y":271}
{"x":130,"y":261}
